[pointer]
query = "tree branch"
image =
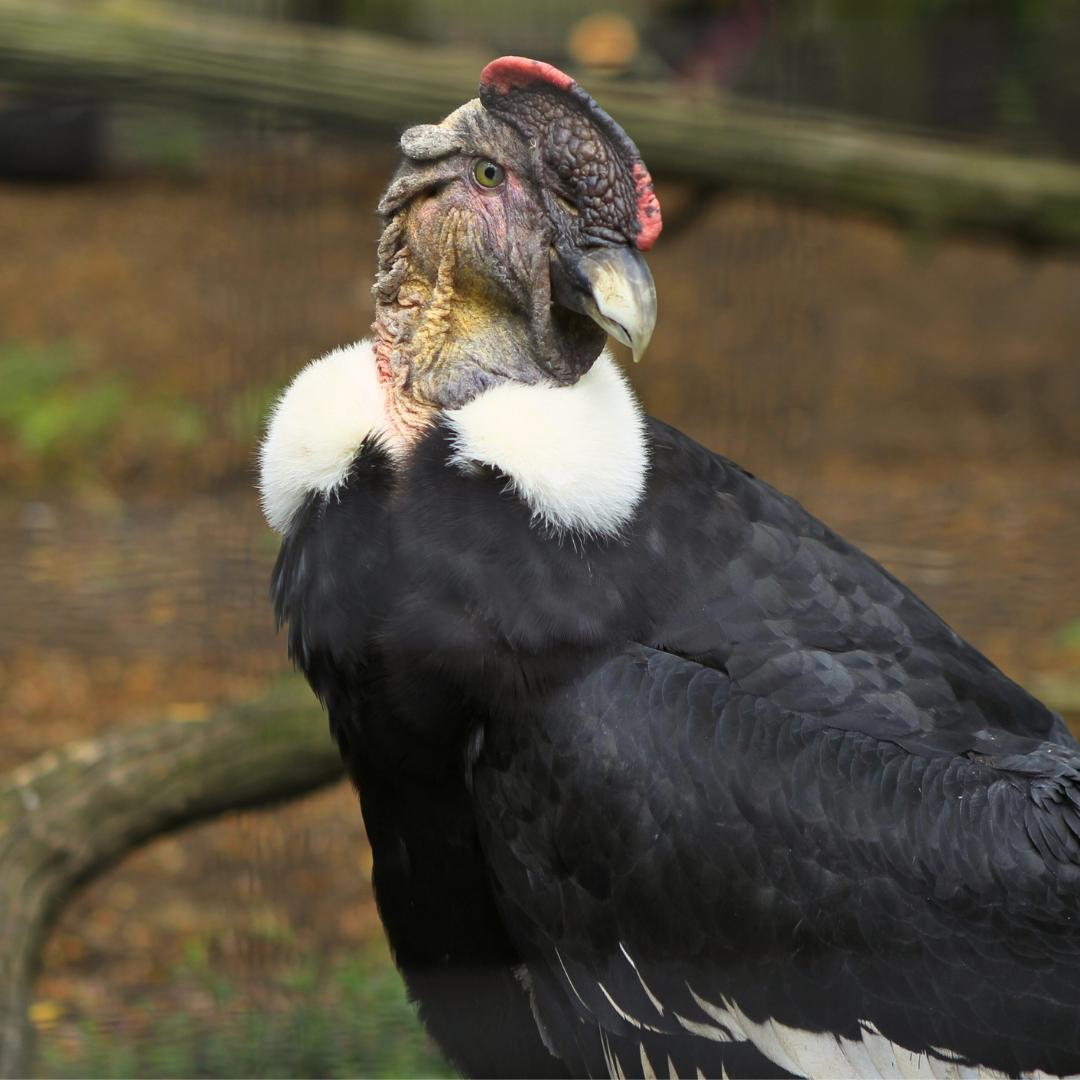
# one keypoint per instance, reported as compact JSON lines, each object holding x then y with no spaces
{"x":141,"y":48}
{"x":72,"y":812}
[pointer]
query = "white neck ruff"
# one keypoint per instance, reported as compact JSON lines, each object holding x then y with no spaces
{"x":316,"y":429}
{"x":577,"y":455}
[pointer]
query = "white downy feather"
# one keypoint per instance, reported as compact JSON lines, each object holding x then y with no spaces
{"x":316,"y":429}
{"x":576,"y":454}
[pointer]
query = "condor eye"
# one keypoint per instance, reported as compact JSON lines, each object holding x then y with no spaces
{"x":488,"y":174}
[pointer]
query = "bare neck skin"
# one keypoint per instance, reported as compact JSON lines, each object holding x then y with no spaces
{"x":443,"y":335}
{"x":464,"y":298}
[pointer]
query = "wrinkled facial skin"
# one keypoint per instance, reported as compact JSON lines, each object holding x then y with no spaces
{"x":471,"y":288}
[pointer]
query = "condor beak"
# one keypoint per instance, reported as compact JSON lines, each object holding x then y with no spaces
{"x":623,"y":299}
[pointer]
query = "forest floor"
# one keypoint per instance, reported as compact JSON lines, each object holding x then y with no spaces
{"x":920,"y":396}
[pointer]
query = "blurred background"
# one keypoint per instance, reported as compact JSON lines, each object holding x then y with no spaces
{"x":178,"y":235}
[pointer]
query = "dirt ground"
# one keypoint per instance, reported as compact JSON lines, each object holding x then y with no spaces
{"x":919,"y":395}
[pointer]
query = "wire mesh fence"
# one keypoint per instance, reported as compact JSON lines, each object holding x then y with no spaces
{"x":917,"y":392}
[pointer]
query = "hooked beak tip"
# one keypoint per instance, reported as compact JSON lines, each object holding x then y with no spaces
{"x":623,"y":295}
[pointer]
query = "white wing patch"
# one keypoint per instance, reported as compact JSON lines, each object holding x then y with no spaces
{"x":816,"y":1055}
{"x":647,"y":1071}
{"x":316,"y":429}
{"x":576,"y":454}
{"x":611,"y":1059}
{"x":824,"y":1056}
{"x":644,"y":986}
{"x":618,"y":1008}
{"x":706,"y":1031}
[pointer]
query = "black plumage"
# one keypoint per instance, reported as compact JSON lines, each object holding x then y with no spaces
{"x":726,"y":752}
{"x":661,"y":776}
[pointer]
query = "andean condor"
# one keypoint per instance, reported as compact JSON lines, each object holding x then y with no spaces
{"x":661,"y":776}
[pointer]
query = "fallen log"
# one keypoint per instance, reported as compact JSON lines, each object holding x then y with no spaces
{"x":153,"y":50}
{"x":72,"y":812}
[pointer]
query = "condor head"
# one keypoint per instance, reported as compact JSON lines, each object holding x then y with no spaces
{"x":512,"y":245}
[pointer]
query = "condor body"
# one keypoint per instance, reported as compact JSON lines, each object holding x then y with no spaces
{"x":661,"y":776}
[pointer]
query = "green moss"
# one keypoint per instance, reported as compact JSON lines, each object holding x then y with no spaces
{"x":352,"y":1021}
{"x":1068,"y":636}
{"x":251,"y":409}
{"x":62,"y":418}
{"x":43,"y":406}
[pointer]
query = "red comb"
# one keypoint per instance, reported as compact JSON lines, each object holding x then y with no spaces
{"x":519,"y":72}
{"x":511,"y":71}
{"x":648,"y":206}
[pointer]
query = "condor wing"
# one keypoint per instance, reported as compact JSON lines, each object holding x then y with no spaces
{"x":703,"y":880}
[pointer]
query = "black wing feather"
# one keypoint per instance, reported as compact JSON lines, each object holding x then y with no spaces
{"x":795,"y":614}
{"x":801,"y":806}
{"x":784,"y":869}
{"x":328,"y":585}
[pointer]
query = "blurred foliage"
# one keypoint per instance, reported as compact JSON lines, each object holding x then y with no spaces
{"x":1068,"y":636}
{"x":63,"y":423}
{"x":1007,"y":69}
{"x":60,"y":420}
{"x":168,"y":140}
{"x":44,"y":410}
{"x":352,"y":1021}
{"x":1004,"y":69}
{"x":251,"y":408}
{"x":386,"y":16}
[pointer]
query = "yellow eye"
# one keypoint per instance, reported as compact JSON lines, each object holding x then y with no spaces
{"x":488,"y":174}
